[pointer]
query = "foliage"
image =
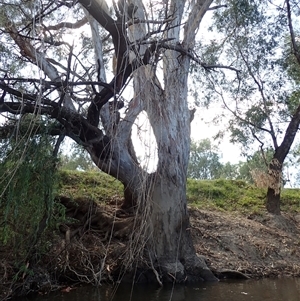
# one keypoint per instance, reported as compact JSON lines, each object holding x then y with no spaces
{"x":258,"y":38}
{"x":28,"y":179}
{"x":205,"y":163}
{"x":258,"y":161}
{"x":254,"y":36}
{"x":78,"y":159}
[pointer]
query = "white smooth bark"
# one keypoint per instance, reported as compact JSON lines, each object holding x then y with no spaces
{"x":162,"y":195}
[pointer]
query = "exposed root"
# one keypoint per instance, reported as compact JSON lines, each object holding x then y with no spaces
{"x":96,"y":246}
{"x":94,"y":217}
{"x":155,"y":273}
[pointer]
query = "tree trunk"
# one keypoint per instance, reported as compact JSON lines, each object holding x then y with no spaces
{"x":273,"y":201}
{"x":274,"y":186}
{"x":170,"y":245}
{"x":275,"y":166}
{"x":162,"y":230}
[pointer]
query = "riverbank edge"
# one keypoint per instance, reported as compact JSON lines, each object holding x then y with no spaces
{"x":256,"y":246}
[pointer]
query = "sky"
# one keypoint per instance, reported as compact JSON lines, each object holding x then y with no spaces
{"x":202,"y":127}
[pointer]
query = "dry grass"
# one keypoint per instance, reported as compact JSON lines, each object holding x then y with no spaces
{"x":271,"y":179}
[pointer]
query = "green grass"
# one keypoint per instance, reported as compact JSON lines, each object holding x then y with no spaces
{"x":231,"y":195}
{"x":290,"y":199}
{"x":228,"y":195}
{"x":225,"y":195}
{"x":95,"y":186}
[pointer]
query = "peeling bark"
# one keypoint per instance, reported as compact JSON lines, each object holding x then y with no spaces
{"x":158,"y":200}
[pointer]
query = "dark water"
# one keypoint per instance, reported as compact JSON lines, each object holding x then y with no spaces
{"x":256,"y":290}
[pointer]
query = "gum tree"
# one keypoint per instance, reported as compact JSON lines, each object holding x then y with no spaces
{"x":260,"y":38}
{"x":150,"y":48}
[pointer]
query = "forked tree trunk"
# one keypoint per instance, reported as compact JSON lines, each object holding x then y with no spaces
{"x":169,"y":243}
{"x":162,"y":228}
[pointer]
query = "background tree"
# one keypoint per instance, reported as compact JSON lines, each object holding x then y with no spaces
{"x":256,"y":164}
{"x":78,"y":159}
{"x":150,"y":47}
{"x":204,"y":161}
{"x":205,"y":164}
{"x":264,"y":100}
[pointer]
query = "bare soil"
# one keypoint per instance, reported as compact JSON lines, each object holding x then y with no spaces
{"x":259,"y":246}
{"x":256,"y":245}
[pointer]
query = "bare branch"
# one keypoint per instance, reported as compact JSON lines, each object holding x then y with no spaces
{"x":138,"y":21}
{"x":263,"y":97}
{"x":217,"y":7}
{"x":234,"y":113}
{"x":194,"y":20}
{"x":38,"y":58}
{"x":16,"y":93}
{"x":48,"y":84}
{"x":70,"y":25}
{"x":179,"y":48}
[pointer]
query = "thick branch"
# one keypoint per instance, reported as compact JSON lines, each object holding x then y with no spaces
{"x":116,"y":29}
{"x":6,"y":131}
{"x":194,"y":20}
{"x":17,"y":93}
{"x":290,"y":133}
{"x":74,"y":123}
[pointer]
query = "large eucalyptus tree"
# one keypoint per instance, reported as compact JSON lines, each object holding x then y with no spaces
{"x":150,"y":46}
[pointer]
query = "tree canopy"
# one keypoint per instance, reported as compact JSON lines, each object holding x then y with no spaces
{"x":204,"y":161}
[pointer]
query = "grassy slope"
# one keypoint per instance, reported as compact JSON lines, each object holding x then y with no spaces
{"x":226,"y":195}
{"x":95,"y":186}
{"x":231,"y":195}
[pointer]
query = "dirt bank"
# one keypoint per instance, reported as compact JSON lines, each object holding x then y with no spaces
{"x":257,"y":245}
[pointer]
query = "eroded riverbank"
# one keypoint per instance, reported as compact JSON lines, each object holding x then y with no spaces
{"x":256,"y":245}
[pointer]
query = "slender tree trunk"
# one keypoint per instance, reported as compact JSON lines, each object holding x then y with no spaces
{"x":273,"y":201}
{"x":274,"y":187}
